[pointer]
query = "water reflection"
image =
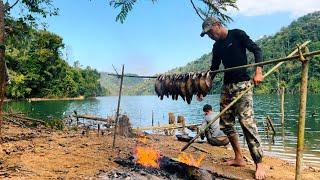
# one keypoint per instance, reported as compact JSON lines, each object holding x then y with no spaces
{"x":139,"y":109}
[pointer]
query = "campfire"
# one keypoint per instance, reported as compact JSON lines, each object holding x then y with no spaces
{"x":147,"y":157}
{"x":148,"y":162}
{"x":187,"y":158}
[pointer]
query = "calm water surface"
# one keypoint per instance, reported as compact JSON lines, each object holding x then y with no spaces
{"x":139,"y":109}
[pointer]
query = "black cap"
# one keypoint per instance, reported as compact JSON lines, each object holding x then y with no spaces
{"x":207,"y":24}
{"x":207,"y":107}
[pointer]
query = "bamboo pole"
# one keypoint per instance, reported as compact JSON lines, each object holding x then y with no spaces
{"x":2,"y":62}
{"x":271,"y":124}
{"x":267,"y":128}
{"x":117,"y":118}
{"x":288,"y":58}
{"x":76,"y":115}
{"x":152,"y":118}
{"x":282,"y":106}
{"x":302,"y":116}
{"x":241,"y":94}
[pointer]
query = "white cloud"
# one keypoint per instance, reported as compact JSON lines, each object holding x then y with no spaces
{"x":263,"y":7}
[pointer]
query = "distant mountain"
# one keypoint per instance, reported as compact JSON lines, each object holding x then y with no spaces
{"x":281,"y":44}
{"x":274,"y":46}
{"x":112,"y":83}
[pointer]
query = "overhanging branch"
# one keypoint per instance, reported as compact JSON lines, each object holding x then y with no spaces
{"x":10,"y":7}
{"x":195,"y":8}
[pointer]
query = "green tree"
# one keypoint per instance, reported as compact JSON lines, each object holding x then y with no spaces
{"x":203,"y":8}
{"x":32,"y":8}
{"x":36,"y":65}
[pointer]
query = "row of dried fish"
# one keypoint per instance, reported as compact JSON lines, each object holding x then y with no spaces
{"x":185,"y":85}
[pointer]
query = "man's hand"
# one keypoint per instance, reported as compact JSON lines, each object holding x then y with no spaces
{"x":202,"y":136}
{"x":199,"y":97}
{"x":258,"y":77}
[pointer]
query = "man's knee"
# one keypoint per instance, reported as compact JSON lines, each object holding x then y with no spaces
{"x":218,"y":141}
{"x":228,"y":130}
{"x":249,"y":125}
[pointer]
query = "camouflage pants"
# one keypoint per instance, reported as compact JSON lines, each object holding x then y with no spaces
{"x":243,"y":110}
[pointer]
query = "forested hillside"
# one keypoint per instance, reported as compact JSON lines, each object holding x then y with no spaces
{"x":281,"y":44}
{"x":273,"y":46}
{"x":112,"y":83}
{"x":37,"y":69}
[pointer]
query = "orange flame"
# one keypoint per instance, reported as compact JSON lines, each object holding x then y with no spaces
{"x":143,"y":139}
{"x":188,"y":159}
{"x":147,"y":157}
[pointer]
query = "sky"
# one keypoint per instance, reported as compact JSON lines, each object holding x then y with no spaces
{"x":157,"y":37}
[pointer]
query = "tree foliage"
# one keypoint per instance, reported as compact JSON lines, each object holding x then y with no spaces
{"x":203,"y":8}
{"x":31,"y":10}
{"x":36,"y":67}
{"x":282,"y":43}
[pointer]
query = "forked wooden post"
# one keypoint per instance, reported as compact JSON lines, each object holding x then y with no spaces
{"x":117,"y":117}
{"x":152,"y":119}
{"x":302,"y":115}
{"x":76,"y":115}
{"x":282,"y":106}
{"x":2,"y":62}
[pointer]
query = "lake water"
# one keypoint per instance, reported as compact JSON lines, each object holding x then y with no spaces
{"x":139,"y":109}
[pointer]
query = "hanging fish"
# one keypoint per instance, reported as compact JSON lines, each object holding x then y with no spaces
{"x":209,"y":79}
{"x":205,"y":84}
{"x":167,"y":85}
{"x":189,"y":87}
{"x":183,"y":87}
{"x":177,"y":86}
{"x":172,"y":86}
{"x":196,"y":83}
{"x":159,"y":86}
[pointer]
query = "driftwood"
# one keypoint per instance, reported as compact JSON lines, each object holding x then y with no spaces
{"x":28,"y":118}
{"x":167,"y":126}
{"x":24,"y":118}
{"x":91,"y":117}
{"x":14,"y":121}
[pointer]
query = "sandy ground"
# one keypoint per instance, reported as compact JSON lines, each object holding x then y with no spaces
{"x":46,"y":154}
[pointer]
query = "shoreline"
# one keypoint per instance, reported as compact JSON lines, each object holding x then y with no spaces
{"x":56,"y":99}
{"x":41,"y":153}
{"x":49,"y":99}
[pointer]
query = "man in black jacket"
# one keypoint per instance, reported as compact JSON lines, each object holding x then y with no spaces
{"x":230,"y":48}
